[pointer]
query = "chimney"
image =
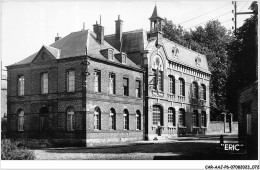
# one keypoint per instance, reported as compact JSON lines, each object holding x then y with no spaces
{"x":118,"y":34}
{"x":57,"y":38}
{"x":99,"y":31}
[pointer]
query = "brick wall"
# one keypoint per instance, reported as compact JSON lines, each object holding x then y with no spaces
{"x":57,"y":101}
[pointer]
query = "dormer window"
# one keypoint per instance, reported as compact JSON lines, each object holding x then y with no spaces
{"x":110,"y":54}
{"x":123,"y":58}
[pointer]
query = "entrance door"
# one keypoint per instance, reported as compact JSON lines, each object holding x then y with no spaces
{"x":44,"y":114}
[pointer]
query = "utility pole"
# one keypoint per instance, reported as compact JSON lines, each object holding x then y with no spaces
{"x":237,"y":13}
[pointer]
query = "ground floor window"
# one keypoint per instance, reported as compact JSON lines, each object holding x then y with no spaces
{"x":70,"y":119}
{"x":171,"y":117}
{"x":182,"y":117}
{"x":97,"y":118}
{"x":20,"y":120}
{"x":126,"y":120}
{"x":157,"y":115}
{"x":138,"y":120}
{"x":203,"y":119}
{"x":195,"y":120}
{"x":112,"y":119}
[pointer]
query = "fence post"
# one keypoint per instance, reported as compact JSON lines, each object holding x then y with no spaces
{"x":224,"y":119}
{"x":230,"y":122}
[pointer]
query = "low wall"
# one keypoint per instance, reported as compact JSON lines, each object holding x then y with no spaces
{"x":218,"y":127}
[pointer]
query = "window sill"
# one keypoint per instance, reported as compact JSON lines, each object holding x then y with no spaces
{"x":195,"y":127}
{"x":203,"y":127}
{"x":71,"y":130}
{"x":182,"y":127}
{"x":20,"y":130}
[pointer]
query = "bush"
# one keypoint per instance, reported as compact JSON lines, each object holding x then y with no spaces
{"x":10,"y":151}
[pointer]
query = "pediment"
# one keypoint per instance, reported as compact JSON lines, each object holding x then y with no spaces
{"x":43,"y":55}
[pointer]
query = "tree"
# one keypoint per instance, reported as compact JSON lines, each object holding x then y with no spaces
{"x":243,"y":54}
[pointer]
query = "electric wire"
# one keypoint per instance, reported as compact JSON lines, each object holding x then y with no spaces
{"x":202,"y":14}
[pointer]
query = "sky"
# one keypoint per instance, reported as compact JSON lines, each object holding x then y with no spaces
{"x":28,"y":25}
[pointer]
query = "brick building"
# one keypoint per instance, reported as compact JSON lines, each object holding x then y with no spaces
{"x":79,"y":89}
{"x":91,"y":88}
{"x":176,"y":80}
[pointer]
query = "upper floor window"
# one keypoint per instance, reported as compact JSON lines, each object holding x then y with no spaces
{"x":182,"y":87}
{"x":97,"y":119}
{"x":20,"y":120}
{"x":171,"y":117}
{"x":160,"y":80}
{"x":195,"y":90}
{"x":123,"y":58}
{"x":138,"y":120}
{"x":112,"y":82}
{"x":126,"y":86}
{"x":126,"y":120}
{"x":112,"y":119}
{"x":97,"y":81}
{"x":110,"y":54}
{"x":203,"y":92}
{"x":171,"y":85}
{"x":138,"y":88}
{"x":71,"y":81}
{"x":44,"y":83}
{"x":157,"y":68}
{"x":70,"y":119}
{"x":20,"y":85}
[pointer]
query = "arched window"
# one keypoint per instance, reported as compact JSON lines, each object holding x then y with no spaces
{"x":181,"y":117}
{"x":97,"y":118}
{"x":125,"y":120}
{"x":195,"y":118}
{"x":195,"y":90}
{"x":157,"y":115}
{"x":138,"y":120}
{"x":171,"y":84}
{"x":182,"y":87}
{"x":171,"y":116}
{"x":70,"y":119}
{"x":203,"y":119}
{"x":112,"y":119}
{"x":157,"y":69}
{"x":203,"y":92}
{"x":20,"y":120}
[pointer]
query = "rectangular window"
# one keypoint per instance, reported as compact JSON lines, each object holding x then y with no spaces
{"x":126,"y":86}
{"x":156,"y":116}
{"x":138,"y":88}
{"x":44,"y":83}
{"x":160,"y":80}
{"x":20,"y":85}
{"x":96,"y":121}
{"x":70,"y":81}
{"x":97,"y":81}
{"x":182,"y":87}
{"x":112,"y":81}
{"x":154,"y":79}
{"x":170,"y":119}
{"x":138,"y":122}
{"x":171,"y":85}
{"x":203,"y":119}
{"x":125,"y":122}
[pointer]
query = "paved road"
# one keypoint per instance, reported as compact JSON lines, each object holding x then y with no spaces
{"x":186,"y":148}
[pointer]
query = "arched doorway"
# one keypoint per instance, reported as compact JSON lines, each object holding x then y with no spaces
{"x":44,"y":119}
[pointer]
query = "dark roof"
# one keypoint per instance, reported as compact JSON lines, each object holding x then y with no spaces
{"x":75,"y":44}
{"x":133,"y":42}
{"x":155,"y":13}
{"x":136,"y":41}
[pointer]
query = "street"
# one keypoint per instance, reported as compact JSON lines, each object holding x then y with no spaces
{"x":186,"y":148}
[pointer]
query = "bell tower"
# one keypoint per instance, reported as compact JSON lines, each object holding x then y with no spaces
{"x":155,"y":27}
